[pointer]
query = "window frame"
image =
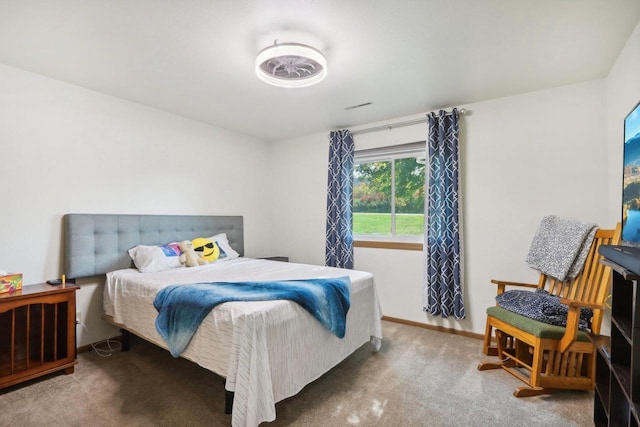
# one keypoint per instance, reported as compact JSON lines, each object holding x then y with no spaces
{"x":390,"y":154}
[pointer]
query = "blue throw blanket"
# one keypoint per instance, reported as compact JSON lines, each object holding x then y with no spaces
{"x":181,"y":308}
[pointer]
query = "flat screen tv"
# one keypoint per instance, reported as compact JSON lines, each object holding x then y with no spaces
{"x":631,"y":179}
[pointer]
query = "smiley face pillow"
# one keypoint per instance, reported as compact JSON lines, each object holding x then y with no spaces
{"x":207,"y":249}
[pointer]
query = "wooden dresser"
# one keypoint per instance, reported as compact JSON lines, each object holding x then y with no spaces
{"x":37,"y":332}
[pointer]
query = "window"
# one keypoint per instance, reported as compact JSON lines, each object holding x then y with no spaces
{"x":388,"y":193}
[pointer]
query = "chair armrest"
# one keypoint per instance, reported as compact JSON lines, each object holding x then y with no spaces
{"x":501,"y":285}
{"x":573,"y":319}
{"x":581,"y":304}
{"x":571,"y":330}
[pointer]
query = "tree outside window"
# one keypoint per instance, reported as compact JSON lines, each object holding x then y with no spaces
{"x":388,"y":197}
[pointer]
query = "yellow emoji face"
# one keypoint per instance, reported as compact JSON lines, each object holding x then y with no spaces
{"x":206,"y":248}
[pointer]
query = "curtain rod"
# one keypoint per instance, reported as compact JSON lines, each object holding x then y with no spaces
{"x":399,"y":124}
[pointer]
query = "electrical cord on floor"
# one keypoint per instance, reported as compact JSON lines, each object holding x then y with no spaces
{"x":99,"y":347}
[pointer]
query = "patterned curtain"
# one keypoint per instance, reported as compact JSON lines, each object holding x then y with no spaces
{"x":442,"y":284}
{"x":339,"y":244}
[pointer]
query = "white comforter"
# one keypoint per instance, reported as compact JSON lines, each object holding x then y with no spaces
{"x":267,"y":351}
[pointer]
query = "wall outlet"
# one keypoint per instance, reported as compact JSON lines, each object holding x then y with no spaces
{"x":78,"y":316}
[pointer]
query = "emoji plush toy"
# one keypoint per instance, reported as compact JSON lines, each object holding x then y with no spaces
{"x":189,"y":257}
{"x":206,"y":248}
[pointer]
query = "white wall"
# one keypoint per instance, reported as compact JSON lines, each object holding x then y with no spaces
{"x":622,"y":94}
{"x":523,"y":157}
{"x":66,"y":149}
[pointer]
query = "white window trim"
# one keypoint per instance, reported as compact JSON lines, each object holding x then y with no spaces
{"x":402,"y":151}
{"x":376,"y":238}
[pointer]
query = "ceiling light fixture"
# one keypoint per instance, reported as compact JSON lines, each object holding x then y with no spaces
{"x":291,"y":65}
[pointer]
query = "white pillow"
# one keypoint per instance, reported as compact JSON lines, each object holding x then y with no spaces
{"x":226,"y":251}
{"x":149,"y":259}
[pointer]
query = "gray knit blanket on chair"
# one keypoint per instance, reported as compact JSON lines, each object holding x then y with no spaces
{"x":560,"y":246}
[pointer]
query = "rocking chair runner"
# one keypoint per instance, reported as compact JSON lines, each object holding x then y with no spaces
{"x":544,"y":356}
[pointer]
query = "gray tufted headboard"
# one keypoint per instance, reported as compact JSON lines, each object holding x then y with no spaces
{"x":97,"y":243}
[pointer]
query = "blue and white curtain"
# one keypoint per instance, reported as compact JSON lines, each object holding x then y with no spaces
{"x":339,"y":243}
{"x":442,"y":284}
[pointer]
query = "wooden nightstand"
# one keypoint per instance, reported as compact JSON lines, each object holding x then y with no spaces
{"x":37,"y":332}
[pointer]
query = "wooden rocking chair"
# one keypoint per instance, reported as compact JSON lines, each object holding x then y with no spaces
{"x":544,"y":356}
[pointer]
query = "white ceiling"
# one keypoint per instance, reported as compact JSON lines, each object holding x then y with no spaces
{"x":196,"y":58}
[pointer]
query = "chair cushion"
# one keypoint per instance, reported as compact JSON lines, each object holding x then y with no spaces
{"x":533,"y":327}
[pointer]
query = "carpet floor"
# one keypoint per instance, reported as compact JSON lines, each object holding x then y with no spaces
{"x":419,"y":377}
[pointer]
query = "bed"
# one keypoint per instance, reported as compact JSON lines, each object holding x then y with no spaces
{"x":267,"y":350}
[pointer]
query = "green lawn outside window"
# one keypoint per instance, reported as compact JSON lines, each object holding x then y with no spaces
{"x":380,"y":224}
